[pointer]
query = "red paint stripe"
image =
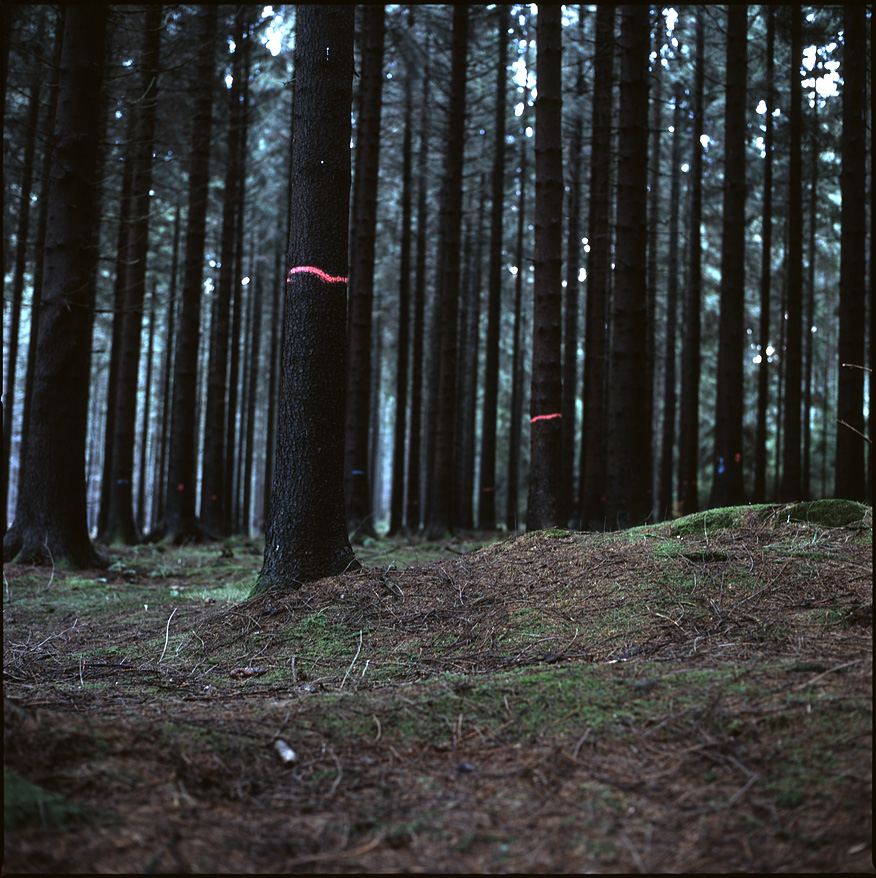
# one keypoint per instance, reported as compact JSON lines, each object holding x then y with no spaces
{"x":545,"y":417}
{"x":310,"y":269}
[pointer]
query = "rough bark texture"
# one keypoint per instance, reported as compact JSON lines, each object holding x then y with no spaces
{"x":793,"y":353}
{"x":397,"y":501}
{"x":664,"y":496}
{"x":359,"y":512}
{"x":727,"y":483}
{"x":766,"y":267}
{"x":850,"y":482}
{"x":629,"y":423}
{"x":50,"y":520}
{"x":487,"y":506}
{"x":592,"y":470}
{"x":546,"y":436}
{"x":306,"y":534}
{"x":440,"y":513}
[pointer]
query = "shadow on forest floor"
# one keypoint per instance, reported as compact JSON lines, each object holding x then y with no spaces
{"x":684,"y":697}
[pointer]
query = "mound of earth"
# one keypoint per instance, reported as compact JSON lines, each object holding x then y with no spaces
{"x":691,"y":696}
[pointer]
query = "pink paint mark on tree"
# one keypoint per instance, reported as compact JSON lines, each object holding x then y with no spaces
{"x":310,"y":269}
{"x":545,"y":417}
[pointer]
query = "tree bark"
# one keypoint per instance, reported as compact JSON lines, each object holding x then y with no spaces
{"x":546,"y":436}
{"x":793,"y":353}
{"x":727,"y":484}
{"x":214,"y":491}
{"x":360,"y":518}
{"x":50,"y":522}
{"x":850,"y":482}
{"x":120,"y":526}
{"x":766,"y":266}
{"x":440,"y":514}
{"x":306,"y":535}
{"x":592,"y":470}
{"x":629,"y":424}
{"x":180,"y":523}
{"x":487,"y":505}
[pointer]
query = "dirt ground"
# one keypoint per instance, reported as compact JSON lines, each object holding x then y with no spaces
{"x":694,"y":696}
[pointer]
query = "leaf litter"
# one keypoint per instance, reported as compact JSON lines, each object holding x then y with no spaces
{"x":690,"y":696}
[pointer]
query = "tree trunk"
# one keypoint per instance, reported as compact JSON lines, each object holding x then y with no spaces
{"x":21,"y":235}
{"x":592,"y":470}
{"x":765,"y":267}
{"x":214,"y":491}
{"x":180,"y":522}
{"x":546,"y":435}
{"x":413,"y":507}
{"x":306,"y":534}
{"x":664,"y":498}
{"x":727,"y":485}
{"x":397,"y":499}
{"x":791,"y":461}
{"x":360,"y":519}
{"x":120,"y":526}
{"x":850,"y":397}
{"x":440,"y":516}
{"x":572,"y":294}
{"x":691,"y":365}
{"x":487,"y":506}
{"x":629,"y":423}
{"x":51,"y":522}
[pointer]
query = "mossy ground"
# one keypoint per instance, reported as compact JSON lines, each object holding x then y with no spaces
{"x":689,"y":696}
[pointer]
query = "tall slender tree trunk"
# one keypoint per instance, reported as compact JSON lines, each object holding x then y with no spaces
{"x":255,"y":333}
{"x":691,"y":361}
{"x":51,"y":520}
{"x":413,"y":507}
{"x":180,"y":523}
{"x":572,"y":293}
{"x":21,"y":246}
{"x":140,"y":510}
{"x":487,"y":506}
{"x":593,"y":442}
{"x":214,"y":490}
{"x":727,"y":484}
{"x":850,"y":395}
{"x":120,"y":526}
{"x":791,"y":460}
{"x":360,"y":518}
{"x":440,"y":514}
{"x":546,"y":435}
{"x":629,"y":423}
{"x":664,"y":497}
{"x":306,"y":534}
{"x":766,"y":266}
{"x":397,"y":499}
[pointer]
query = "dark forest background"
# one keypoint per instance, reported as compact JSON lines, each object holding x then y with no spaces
{"x":702,"y":337}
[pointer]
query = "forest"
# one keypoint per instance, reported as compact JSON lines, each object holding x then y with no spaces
{"x":607,"y":265}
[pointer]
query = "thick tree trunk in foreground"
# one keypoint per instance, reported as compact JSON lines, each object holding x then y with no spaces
{"x":546,"y":435}
{"x":50,"y":521}
{"x":306,"y":534}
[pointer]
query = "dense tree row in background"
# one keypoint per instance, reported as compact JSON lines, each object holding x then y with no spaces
{"x":606,"y":264}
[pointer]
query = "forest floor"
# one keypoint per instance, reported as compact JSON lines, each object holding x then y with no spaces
{"x":693,"y":696}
